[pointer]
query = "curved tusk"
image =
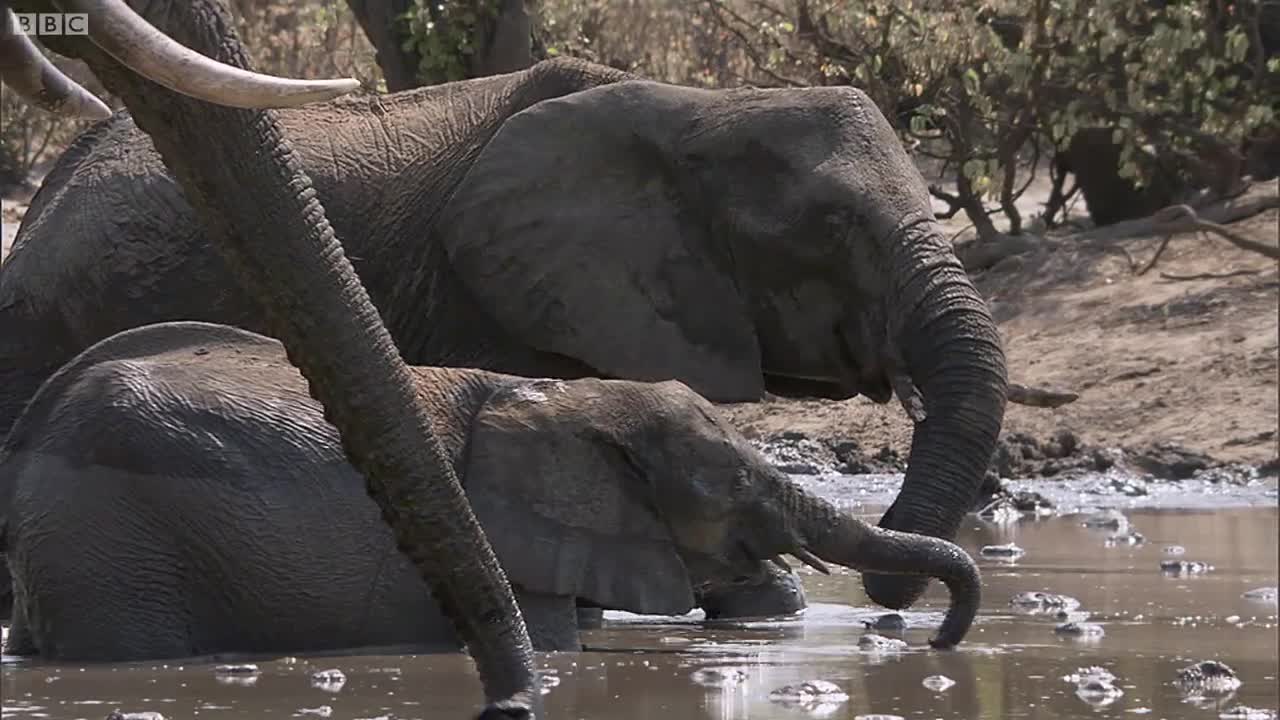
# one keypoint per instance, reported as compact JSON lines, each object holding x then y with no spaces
{"x":135,"y":43}
{"x":25,"y":69}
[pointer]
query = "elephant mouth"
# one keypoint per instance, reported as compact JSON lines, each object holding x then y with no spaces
{"x":800,"y":388}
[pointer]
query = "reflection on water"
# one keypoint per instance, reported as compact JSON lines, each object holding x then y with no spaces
{"x":1012,"y":666}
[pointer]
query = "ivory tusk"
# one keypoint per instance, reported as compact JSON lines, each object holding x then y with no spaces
{"x":135,"y":43}
{"x":30,"y":74}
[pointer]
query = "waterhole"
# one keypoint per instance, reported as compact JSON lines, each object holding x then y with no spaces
{"x":1012,"y":665}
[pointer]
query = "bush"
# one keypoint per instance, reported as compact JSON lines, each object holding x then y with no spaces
{"x":990,"y":88}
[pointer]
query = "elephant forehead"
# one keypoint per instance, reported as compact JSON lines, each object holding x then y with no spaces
{"x":536,"y":451}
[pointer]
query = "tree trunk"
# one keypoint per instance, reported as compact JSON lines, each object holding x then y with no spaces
{"x":240,"y":175}
{"x":381,"y":21}
{"x":502,"y":41}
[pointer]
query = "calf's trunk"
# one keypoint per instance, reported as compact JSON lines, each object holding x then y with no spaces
{"x":839,"y":538}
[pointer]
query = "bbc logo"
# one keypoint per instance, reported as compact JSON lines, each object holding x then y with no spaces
{"x":52,"y":23}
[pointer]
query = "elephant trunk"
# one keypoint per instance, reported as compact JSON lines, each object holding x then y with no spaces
{"x":262,"y":213}
{"x":840,"y":538}
{"x":950,"y":347}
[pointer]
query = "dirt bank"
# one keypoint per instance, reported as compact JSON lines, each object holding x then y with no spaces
{"x":1156,"y":361}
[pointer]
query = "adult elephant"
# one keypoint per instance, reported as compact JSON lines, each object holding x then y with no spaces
{"x":241,"y":176}
{"x":174,"y":491}
{"x":566,"y":221}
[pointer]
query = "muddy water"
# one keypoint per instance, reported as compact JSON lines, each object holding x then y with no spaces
{"x":680,"y":668}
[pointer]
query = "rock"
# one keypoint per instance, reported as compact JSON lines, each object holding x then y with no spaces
{"x":1109,"y":519}
{"x":1031,"y":501}
{"x":1168,"y":461}
{"x":810,"y":696}
{"x":330,"y":680}
{"x":1064,"y":444}
{"x":1184,"y":567}
{"x":1093,"y":672}
{"x":1127,"y":537}
{"x":1008,"y":551}
{"x":892,"y":622}
{"x":1207,"y":677}
{"x":1097,"y":693}
{"x":879,"y":643}
{"x":1270,"y":468}
{"x":719,"y":677}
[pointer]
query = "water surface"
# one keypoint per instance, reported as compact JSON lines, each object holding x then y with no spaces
{"x":1011,"y":666}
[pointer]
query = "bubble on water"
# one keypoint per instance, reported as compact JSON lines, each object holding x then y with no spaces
{"x":721,"y":677}
{"x":1008,"y":551}
{"x":330,"y":680}
{"x":1040,"y":602}
{"x":549,"y":679}
{"x":142,"y":715}
{"x":1174,"y":550}
{"x":1000,"y":511}
{"x":1232,"y":619}
{"x":878,"y":716}
{"x":879,"y":643}
{"x":1080,"y":630}
{"x":1092,"y":672}
{"x":237,"y":680}
{"x":241,"y":669}
{"x":817,"y":698}
{"x":323,"y":711}
{"x":1244,"y":712}
{"x":938,"y":683}
{"x":1263,"y":594}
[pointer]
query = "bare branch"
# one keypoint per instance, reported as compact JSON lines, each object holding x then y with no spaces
{"x":1040,"y":397}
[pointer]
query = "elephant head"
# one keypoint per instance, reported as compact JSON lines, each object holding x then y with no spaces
{"x":640,"y":496}
{"x":240,"y":174}
{"x":741,"y":241}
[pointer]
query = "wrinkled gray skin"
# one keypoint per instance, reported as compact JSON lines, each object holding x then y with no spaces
{"x":779,"y":593}
{"x":251,"y":193}
{"x":175,"y":491}
{"x":562,"y":222}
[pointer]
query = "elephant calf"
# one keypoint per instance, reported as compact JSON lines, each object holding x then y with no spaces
{"x":174,"y":491}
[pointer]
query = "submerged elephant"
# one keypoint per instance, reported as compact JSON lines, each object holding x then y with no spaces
{"x":175,"y":491}
{"x":570,"y":221}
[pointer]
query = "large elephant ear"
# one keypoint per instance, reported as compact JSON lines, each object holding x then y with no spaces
{"x":573,"y":231}
{"x":565,"y":509}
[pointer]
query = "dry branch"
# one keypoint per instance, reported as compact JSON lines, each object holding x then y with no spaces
{"x":1245,"y":206}
{"x":1039,"y":397}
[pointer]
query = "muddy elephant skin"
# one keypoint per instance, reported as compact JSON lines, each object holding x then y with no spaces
{"x":175,"y":491}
